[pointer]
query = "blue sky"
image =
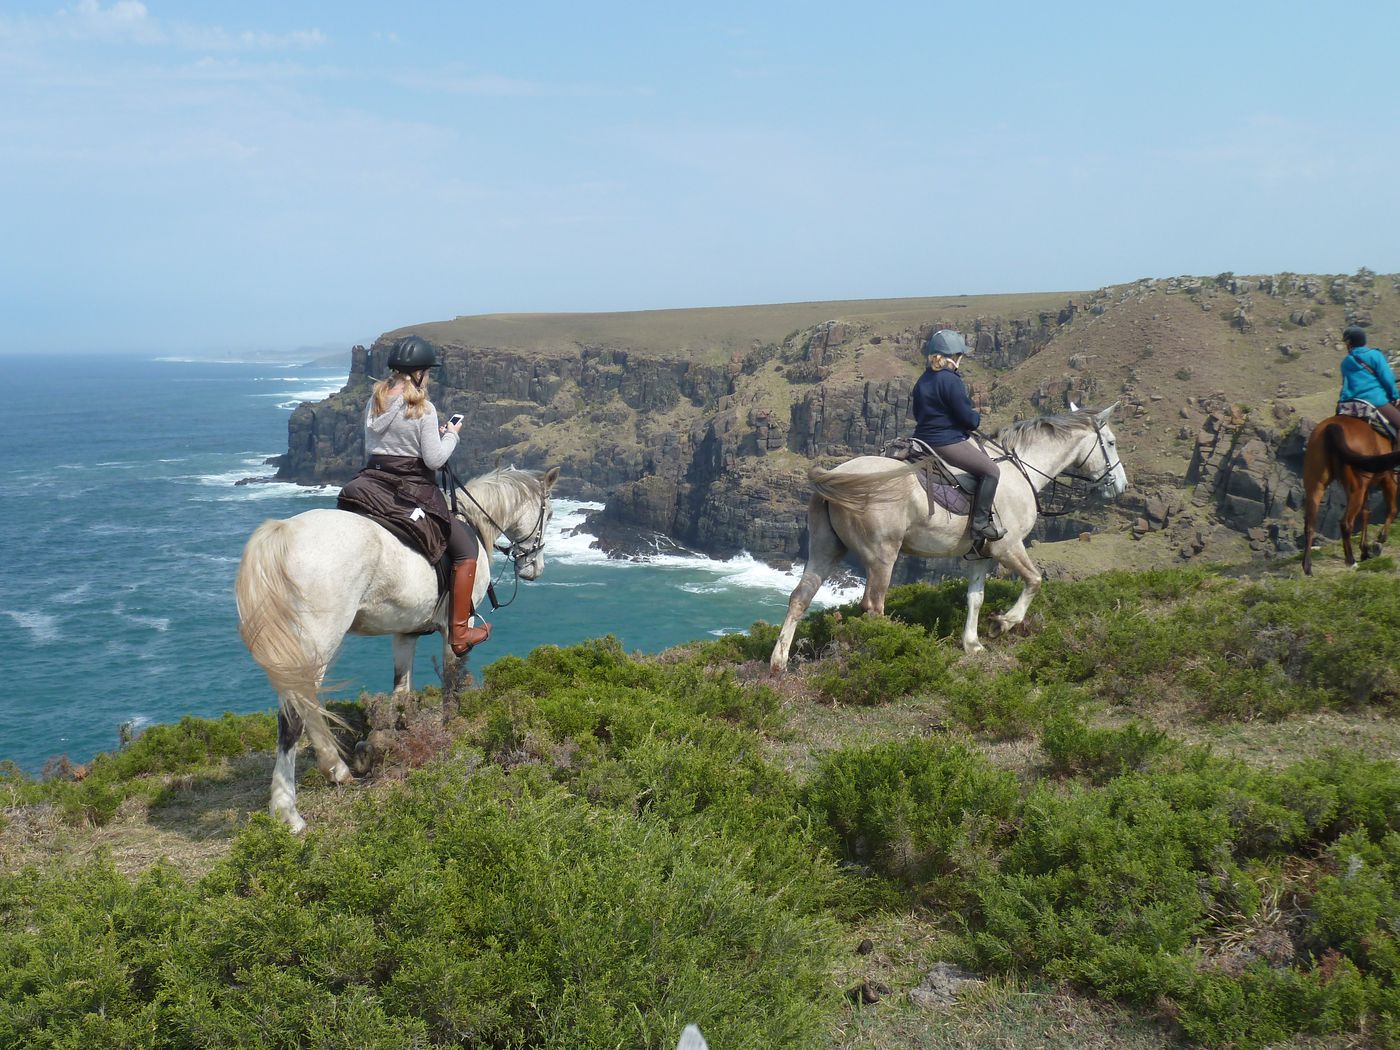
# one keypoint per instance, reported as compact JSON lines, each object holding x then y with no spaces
{"x":266,"y":175}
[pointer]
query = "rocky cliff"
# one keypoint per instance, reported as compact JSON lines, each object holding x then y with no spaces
{"x":700,"y":425}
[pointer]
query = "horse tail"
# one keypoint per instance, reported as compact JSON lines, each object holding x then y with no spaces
{"x":270,"y":604}
{"x":1340,"y":450}
{"x":856,"y":491}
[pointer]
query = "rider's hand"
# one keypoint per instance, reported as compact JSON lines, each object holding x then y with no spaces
{"x":452,"y":428}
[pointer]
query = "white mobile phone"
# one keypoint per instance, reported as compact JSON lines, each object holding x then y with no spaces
{"x":456,"y":417}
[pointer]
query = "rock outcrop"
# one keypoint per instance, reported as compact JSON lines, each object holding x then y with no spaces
{"x":707,"y":438}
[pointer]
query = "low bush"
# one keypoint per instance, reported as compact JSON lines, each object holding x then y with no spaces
{"x":487,"y":910}
{"x":913,"y":810}
{"x":93,"y":793}
{"x":878,"y":660}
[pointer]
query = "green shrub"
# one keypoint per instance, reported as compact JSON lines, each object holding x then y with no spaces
{"x":941,"y":609}
{"x":879,"y":660}
{"x":914,"y":809}
{"x":1074,"y":748}
{"x":1009,"y":705}
{"x":487,"y":909}
{"x":1109,"y":886}
{"x":139,"y":769}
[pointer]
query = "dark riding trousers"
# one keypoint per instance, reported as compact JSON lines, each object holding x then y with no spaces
{"x":966,"y":455}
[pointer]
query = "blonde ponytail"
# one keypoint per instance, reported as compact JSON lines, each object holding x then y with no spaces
{"x":415,"y":397}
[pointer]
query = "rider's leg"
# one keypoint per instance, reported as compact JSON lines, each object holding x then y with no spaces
{"x":1391,"y":413}
{"x":965,"y":455}
{"x":463,"y":548}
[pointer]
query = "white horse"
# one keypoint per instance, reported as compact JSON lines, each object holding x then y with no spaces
{"x":307,"y":581}
{"x":878,"y":511}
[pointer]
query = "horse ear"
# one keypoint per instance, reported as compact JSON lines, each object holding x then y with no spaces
{"x":1072,"y":406}
{"x":1103,"y":416}
{"x":550,"y":477}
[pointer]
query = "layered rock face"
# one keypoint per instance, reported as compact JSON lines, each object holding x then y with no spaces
{"x":711,"y":455}
{"x":711,"y":447}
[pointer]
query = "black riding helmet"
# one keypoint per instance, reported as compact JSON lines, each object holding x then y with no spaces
{"x":948,"y":343}
{"x":412,"y":353}
{"x":1354,"y":336}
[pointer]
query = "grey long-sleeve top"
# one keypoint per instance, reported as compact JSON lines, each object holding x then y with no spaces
{"x":392,"y":434}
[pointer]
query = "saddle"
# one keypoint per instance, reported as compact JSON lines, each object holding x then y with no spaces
{"x":401,"y":494}
{"x":952,"y":492}
{"x":1372,"y":415}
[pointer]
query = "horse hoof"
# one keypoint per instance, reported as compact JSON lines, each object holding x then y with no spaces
{"x":291,"y":818}
{"x":975,"y":647}
{"x":339,"y":773}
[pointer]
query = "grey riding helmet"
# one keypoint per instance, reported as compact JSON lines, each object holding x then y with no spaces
{"x":411,"y":354}
{"x":948,"y":343}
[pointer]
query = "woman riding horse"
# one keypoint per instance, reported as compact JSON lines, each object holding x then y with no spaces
{"x":945,"y":419}
{"x":1367,"y":376}
{"x":405,"y":444}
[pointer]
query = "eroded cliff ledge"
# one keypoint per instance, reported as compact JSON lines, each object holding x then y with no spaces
{"x":701,"y":424}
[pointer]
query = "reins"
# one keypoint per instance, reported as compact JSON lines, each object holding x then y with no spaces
{"x":1022,"y":465}
{"x":516,"y":550}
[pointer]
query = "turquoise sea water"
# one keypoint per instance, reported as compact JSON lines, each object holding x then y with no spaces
{"x":121,"y":528}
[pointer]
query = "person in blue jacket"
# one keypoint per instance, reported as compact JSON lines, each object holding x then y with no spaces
{"x":1367,"y":376}
{"x":944,"y":419}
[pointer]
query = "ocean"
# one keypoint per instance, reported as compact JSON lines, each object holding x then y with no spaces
{"x":122,"y":525}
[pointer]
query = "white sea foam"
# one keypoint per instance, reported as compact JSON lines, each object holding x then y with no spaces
{"x":568,"y":544}
{"x":42,"y":626}
{"x":159,"y":623}
{"x":264,"y":490}
{"x":73,"y":595}
{"x":317,"y":388}
{"x":306,"y":395}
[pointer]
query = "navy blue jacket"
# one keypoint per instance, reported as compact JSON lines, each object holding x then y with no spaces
{"x":943,"y":412}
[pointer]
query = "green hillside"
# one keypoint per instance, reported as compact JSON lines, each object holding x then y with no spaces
{"x":1167,"y":813}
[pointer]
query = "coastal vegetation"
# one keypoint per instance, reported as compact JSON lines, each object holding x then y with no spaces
{"x":1165,"y":813}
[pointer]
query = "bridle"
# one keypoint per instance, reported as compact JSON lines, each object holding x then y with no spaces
{"x":519,"y":551}
{"x":1094,"y":481}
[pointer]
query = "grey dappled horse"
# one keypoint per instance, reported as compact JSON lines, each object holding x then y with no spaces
{"x":306,"y":582}
{"x":877,"y":511}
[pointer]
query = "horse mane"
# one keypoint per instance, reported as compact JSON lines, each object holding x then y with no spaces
{"x":498,"y":491}
{"x":1016,"y":436}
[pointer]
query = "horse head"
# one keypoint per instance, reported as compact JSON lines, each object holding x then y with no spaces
{"x":1101,"y":460}
{"x":525,"y":525}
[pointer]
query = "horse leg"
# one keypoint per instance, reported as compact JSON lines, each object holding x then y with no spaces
{"x":283,"y":806}
{"x":404,"y":647}
{"x":1317,"y":475}
{"x":1390,"y":490}
{"x":976,"y":581}
{"x":1355,"y":511}
{"x":824,"y":550}
{"x":1016,"y":558}
{"x":877,"y":579}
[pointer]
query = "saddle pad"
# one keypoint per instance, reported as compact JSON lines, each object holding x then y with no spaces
{"x":949,"y":497}
{"x":1367,"y":411}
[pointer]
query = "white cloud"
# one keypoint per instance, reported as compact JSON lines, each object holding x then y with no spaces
{"x":130,"y":21}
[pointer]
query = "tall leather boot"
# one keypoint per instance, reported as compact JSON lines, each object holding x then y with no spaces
{"x":983,"y":526}
{"x":463,"y":635}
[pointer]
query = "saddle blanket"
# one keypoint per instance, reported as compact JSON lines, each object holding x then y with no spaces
{"x":1370,"y":413}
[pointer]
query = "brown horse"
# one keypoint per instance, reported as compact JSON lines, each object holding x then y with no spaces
{"x":1351,"y":451}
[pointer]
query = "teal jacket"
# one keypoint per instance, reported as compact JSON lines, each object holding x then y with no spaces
{"x":1375,"y":385}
